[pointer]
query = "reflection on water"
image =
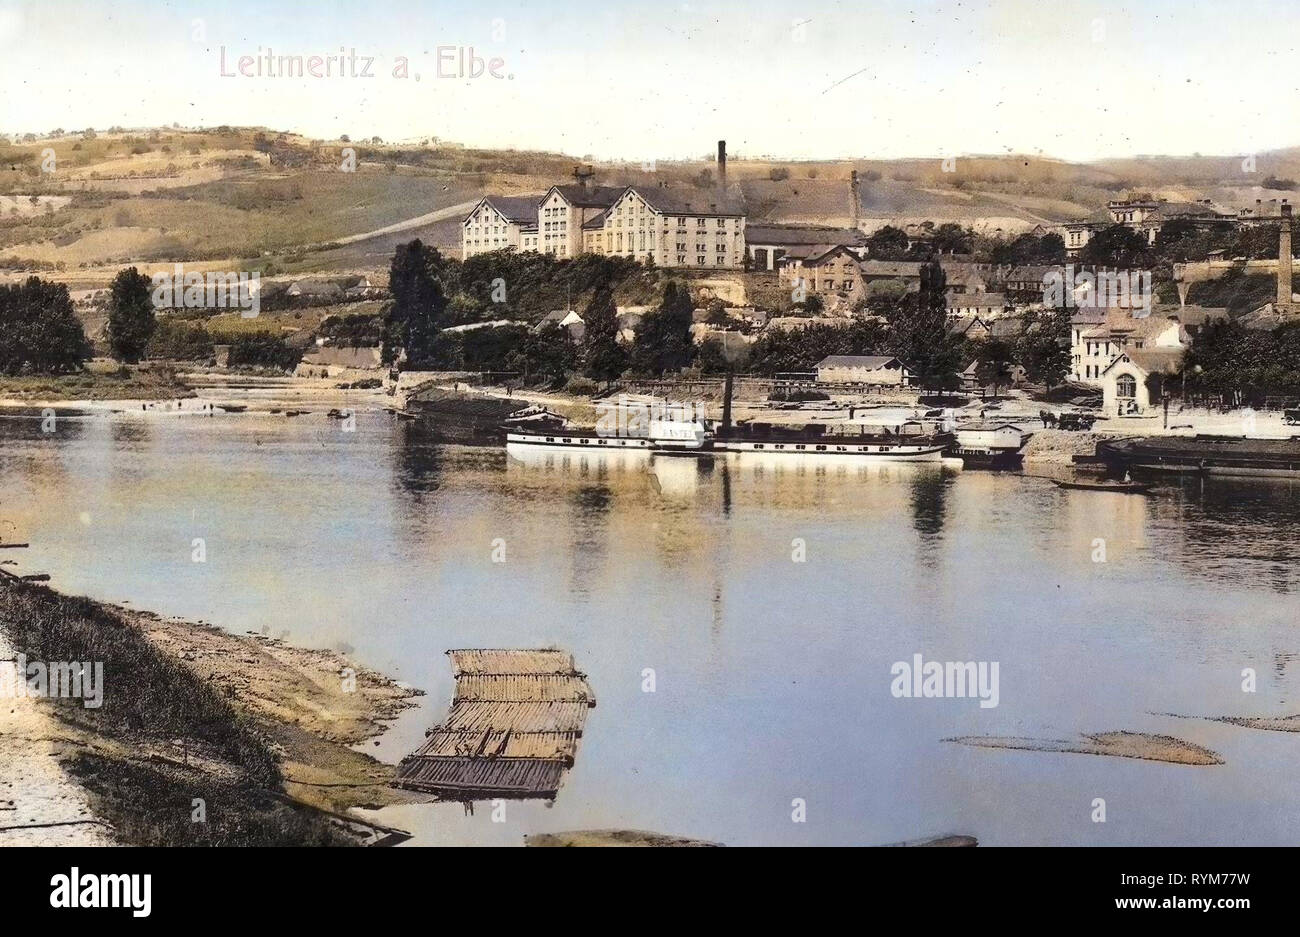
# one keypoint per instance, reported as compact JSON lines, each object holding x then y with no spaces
{"x":772,"y":674}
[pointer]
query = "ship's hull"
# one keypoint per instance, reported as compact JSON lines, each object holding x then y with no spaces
{"x":569,"y":441}
{"x":864,"y":452}
{"x":998,"y":460}
{"x":1228,"y":457}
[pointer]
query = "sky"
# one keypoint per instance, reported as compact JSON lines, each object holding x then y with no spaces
{"x":649,"y":80}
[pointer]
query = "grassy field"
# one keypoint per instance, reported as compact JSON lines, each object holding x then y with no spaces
{"x":141,"y":383}
{"x":252,"y":198}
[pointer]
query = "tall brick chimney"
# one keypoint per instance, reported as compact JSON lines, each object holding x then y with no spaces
{"x":855,"y":198}
{"x":1284,"y":257}
{"x":722,"y":163}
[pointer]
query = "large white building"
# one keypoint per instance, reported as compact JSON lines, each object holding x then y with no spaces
{"x":673,"y":228}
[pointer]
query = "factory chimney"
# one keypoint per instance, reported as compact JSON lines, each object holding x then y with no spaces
{"x":1284,"y":257}
{"x":855,"y":198}
{"x":722,"y":163}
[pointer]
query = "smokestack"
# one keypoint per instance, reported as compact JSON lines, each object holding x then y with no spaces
{"x":1284,"y":257}
{"x":855,"y":198}
{"x":722,"y":163}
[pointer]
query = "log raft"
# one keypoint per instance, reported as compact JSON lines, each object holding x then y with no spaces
{"x":512,"y":730}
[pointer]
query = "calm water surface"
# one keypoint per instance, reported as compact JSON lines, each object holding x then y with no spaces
{"x":772,"y":676}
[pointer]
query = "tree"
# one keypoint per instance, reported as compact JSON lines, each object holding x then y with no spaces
{"x":416,"y":312}
{"x":919,"y":326}
{"x":888,"y":243}
{"x":603,"y":358}
{"x":813,"y":305}
{"x":1044,"y":347}
{"x":993,"y":363}
{"x":1117,"y":246}
{"x":130,"y":316}
{"x":39,"y":331}
{"x":663,"y":339}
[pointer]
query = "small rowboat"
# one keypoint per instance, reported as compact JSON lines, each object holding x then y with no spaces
{"x":1123,"y":487}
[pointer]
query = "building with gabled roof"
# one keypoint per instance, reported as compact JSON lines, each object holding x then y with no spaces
{"x":863,"y":369}
{"x":499,"y":222}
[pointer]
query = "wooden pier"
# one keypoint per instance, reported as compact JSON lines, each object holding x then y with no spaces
{"x":512,"y":730}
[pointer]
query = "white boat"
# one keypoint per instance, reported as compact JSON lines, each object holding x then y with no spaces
{"x":662,"y":436}
{"x":874,"y":450}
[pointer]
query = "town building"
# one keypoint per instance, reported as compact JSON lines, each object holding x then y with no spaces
{"x":671,"y":227}
{"x":1146,"y":217}
{"x":767,"y":244}
{"x":498,"y":222}
{"x":1133,"y":384}
{"x":882,"y":370}
{"x":564,"y":210}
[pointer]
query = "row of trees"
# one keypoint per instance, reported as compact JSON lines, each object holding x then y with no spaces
{"x":1244,"y":365}
{"x":909,"y":325}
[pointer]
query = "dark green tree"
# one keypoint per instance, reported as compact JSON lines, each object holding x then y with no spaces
{"x":993,"y":363}
{"x":663,"y":339}
{"x":39,"y":331}
{"x":1043,"y":348}
{"x":888,"y":243}
{"x":130,"y":315}
{"x":919,"y":328}
{"x":603,"y":357}
{"x":1117,"y":246}
{"x":417,"y":308}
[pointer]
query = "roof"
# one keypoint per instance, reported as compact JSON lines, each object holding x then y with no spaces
{"x":870,"y":362}
{"x":792,"y":235}
{"x":891,"y":268}
{"x":1009,"y":327}
{"x":978,"y":300}
{"x":688,"y":201}
{"x":596,"y":196}
{"x":963,"y":324}
{"x":521,"y":209}
{"x":1150,"y":360}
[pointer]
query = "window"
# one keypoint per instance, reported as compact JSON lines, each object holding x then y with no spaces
{"x":1126,"y":387}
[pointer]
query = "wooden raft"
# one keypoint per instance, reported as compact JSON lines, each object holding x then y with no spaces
{"x":512,"y":730}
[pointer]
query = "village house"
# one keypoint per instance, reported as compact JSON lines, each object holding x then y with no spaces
{"x":972,"y":328}
{"x":566,"y":319}
{"x":1133,"y":383}
{"x":767,"y":244}
{"x":883,"y":370}
{"x":563,"y":212}
{"x":670,"y":227}
{"x":987,"y":306}
{"x":1146,"y":217}
{"x":826,"y":270}
{"x":1097,"y":337}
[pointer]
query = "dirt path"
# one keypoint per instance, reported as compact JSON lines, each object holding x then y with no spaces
{"x":442,"y":214}
{"x":39,"y":804}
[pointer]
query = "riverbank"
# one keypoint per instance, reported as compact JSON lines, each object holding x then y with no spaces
{"x":202,"y":738}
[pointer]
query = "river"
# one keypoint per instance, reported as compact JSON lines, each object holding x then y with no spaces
{"x":771,"y":676}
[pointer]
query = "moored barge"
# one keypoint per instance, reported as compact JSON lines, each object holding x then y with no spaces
{"x":1231,"y":456}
